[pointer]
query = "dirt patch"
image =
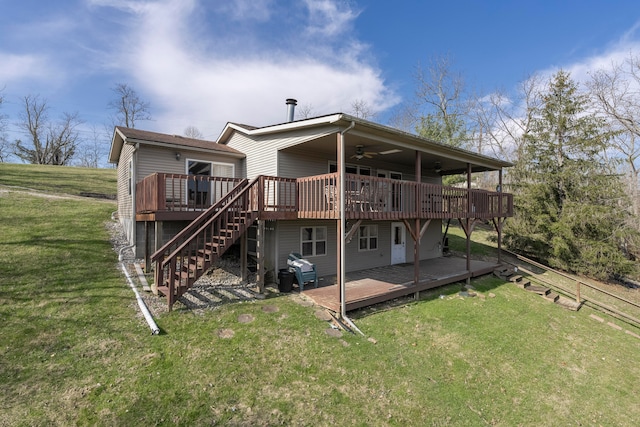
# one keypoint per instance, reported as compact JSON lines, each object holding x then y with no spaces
{"x":270,"y":309}
{"x":246,"y":318}
{"x":323,"y":315}
{"x":226,"y":333}
{"x":335,"y":333}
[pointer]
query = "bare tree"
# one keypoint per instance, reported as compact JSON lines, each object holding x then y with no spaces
{"x":439,"y":108}
{"x":193,"y":132}
{"x":50,"y":143}
{"x":616,"y":92}
{"x":304,"y":111}
{"x":129,"y":108}
{"x":92,"y":151}
{"x":361,"y":109}
{"x":501,"y":122}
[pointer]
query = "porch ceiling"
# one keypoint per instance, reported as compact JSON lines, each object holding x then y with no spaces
{"x":395,"y":153}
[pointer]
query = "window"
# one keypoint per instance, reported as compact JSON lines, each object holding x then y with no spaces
{"x":313,"y":241}
{"x":353,"y":169}
{"x":368,"y":240}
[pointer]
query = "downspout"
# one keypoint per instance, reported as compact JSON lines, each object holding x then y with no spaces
{"x":134,"y":178}
{"x":343,"y":302}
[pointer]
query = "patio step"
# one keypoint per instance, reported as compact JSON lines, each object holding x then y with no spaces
{"x":510,"y":274}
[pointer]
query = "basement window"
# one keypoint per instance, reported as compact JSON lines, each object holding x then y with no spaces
{"x":313,"y":241}
{"x":368,"y":238}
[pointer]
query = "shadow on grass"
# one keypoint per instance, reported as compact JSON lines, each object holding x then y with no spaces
{"x":481,"y":284}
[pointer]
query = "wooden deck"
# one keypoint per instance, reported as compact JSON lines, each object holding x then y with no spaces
{"x":165,"y":197}
{"x":372,"y":286}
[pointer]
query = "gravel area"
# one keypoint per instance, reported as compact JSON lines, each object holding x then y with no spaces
{"x":220,"y":285}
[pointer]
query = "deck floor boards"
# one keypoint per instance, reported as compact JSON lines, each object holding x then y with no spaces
{"x":375,"y":285}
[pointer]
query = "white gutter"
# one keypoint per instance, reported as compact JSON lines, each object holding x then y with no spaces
{"x":343,"y":294}
{"x":134,"y":184}
{"x":143,"y":307}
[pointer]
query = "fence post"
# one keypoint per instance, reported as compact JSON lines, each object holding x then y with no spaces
{"x":578,"y":292}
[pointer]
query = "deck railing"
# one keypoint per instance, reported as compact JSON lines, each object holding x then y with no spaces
{"x":383,"y":198}
{"x":161,"y":192}
{"x":366,"y":197}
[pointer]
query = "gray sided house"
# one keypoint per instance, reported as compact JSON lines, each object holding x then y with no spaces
{"x":346,"y":193}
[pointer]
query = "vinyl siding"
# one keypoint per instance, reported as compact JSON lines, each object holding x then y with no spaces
{"x":288,"y":237}
{"x":125,"y":201}
{"x":169,"y":229}
{"x":262,"y":151}
{"x":153,"y":159}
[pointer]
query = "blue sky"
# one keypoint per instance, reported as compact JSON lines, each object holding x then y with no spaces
{"x":203,"y":63}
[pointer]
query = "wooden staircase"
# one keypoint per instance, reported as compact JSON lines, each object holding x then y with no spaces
{"x":186,"y":257}
{"x":510,"y":274}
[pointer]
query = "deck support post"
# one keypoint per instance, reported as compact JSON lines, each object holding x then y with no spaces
{"x":243,"y":257}
{"x":418,"y":211}
{"x":501,"y":216}
{"x":147,"y":247}
{"x":157,"y":241}
{"x":468,"y":221}
{"x":260,"y":255}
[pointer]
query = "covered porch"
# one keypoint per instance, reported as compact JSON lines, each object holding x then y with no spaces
{"x":375,"y":285}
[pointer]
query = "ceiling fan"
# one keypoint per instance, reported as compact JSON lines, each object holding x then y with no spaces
{"x":360,"y":153}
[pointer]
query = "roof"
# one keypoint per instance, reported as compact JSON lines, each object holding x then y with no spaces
{"x":375,"y":132}
{"x":124,"y":135}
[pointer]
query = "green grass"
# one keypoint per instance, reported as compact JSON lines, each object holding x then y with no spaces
{"x":59,"y":179}
{"x":74,"y":350}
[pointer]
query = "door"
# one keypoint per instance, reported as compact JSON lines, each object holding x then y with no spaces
{"x":392,"y":191}
{"x":398,"y":243}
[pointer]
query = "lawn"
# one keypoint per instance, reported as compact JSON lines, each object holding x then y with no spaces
{"x":74,"y":350}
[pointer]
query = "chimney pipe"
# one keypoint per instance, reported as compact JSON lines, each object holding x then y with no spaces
{"x":291,"y":108}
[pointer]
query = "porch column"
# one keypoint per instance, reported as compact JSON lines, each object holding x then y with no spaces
{"x":339,"y":222}
{"x":418,"y":211}
{"x":341,"y":237}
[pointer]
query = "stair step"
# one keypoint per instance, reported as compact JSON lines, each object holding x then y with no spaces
{"x":515,"y":279}
{"x":184,"y":275}
{"x":552,"y":296}
{"x":541,"y":290}
{"x":569,"y":304}
{"x":164,"y":290}
{"x":523,"y":284}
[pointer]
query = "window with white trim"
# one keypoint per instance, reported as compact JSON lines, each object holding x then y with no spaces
{"x":349,"y":168}
{"x":368,"y":238}
{"x":313,"y":241}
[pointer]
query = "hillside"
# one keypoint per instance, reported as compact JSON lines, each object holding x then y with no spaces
{"x":99,"y":183}
{"x":75,"y":350}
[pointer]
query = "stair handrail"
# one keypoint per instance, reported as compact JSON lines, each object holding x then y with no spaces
{"x":210,"y":220}
{"x":188,"y":230}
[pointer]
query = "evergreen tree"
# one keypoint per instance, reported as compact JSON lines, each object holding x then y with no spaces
{"x":570,"y":209}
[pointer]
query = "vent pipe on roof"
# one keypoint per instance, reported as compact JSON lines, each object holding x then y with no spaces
{"x":291,"y":108}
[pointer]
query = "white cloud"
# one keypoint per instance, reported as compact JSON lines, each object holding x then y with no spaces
{"x":191,"y":81}
{"x":615,"y":53}
{"x":17,"y":68}
{"x":247,"y":10}
{"x":329,"y":18}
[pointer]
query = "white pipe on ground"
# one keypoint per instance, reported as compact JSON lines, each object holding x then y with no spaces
{"x":143,"y":307}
